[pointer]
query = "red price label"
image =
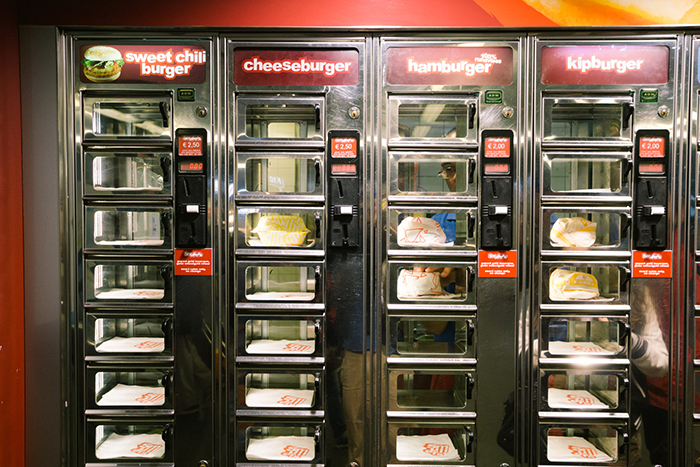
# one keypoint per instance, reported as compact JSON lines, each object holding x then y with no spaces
{"x":652,"y":147}
{"x":344,"y":148}
{"x":190,"y":146}
{"x":495,"y":147}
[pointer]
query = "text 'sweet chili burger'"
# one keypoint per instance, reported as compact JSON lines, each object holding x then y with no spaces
{"x":102,"y":63}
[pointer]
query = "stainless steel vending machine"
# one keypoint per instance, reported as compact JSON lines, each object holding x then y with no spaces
{"x":299,"y":277}
{"x":450,"y":149}
{"x":606,"y":119}
{"x":139,"y":269}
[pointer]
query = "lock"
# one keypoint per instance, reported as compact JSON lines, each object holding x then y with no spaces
{"x":202,"y":111}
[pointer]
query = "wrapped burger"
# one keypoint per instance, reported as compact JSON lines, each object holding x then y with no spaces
{"x":421,"y":231}
{"x":419,"y":284}
{"x":281,"y":230}
{"x":572,"y":285}
{"x":573,"y":232}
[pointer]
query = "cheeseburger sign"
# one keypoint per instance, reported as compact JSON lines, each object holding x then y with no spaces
{"x":296,"y":67}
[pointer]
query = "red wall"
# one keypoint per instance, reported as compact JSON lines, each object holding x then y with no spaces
{"x":11,"y":262}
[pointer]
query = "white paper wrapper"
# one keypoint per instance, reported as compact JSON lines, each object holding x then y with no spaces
{"x":435,"y":448}
{"x":279,"y":398}
{"x":130,"y":242}
{"x":132,"y":345}
{"x":277,"y":296}
{"x":130,"y":294}
{"x":573,"y":232}
{"x":281,"y":347}
{"x":282,"y":448}
{"x":573,"y":399}
{"x":577,"y":348}
{"x":574,"y":449}
{"x":281,"y":230}
{"x":421,"y":231}
{"x":571,"y":285}
{"x":136,"y":396}
{"x":412,"y":284}
{"x":131,"y":446}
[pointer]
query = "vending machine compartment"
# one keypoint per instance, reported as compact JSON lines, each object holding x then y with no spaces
{"x":566,"y":337}
{"x":428,"y":231}
{"x":280,"y":392}
{"x":587,"y":119}
{"x":595,"y":443}
{"x":281,"y":285}
{"x":432,"y":176}
{"x":133,"y":334}
{"x":264,"y":121}
{"x":574,"y":390}
{"x":422,"y":121}
{"x":431,"y":285}
{"x":280,"y":176}
{"x":585,"y":231}
{"x":585,"y":284}
{"x":134,"y":172}
{"x":129,"y":441}
{"x":587,"y":176}
{"x":128,"y":117}
{"x":432,"y":442}
{"x":113,"y":281}
{"x":417,"y":392}
{"x":280,"y":230}
{"x":127,"y":227}
{"x":435,"y":338}
{"x":280,"y":443}
{"x":288,"y":338}
{"x":129,"y":389}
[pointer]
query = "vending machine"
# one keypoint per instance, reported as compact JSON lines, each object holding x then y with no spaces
{"x":450,"y":149}
{"x":297,"y":360}
{"x":139,"y":264}
{"x":606,"y":117}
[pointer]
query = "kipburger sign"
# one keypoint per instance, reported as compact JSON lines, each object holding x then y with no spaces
{"x":296,"y":67}
{"x":143,"y":64}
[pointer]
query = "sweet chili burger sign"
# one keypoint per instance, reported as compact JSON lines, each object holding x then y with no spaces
{"x":179,"y":64}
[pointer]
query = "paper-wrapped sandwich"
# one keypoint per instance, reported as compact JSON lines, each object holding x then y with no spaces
{"x":572,"y":285}
{"x":421,"y":232}
{"x":573,"y":232}
{"x":419,"y":284}
{"x":281,"y":230}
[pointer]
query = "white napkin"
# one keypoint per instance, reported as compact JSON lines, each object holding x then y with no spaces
{"x":573,"y":449}
{"x":282,"y":448}
{"x":577,"y":348}
{"x":131,"y":446}
{"x":131,"y":294}
{"x":573,"y":399}
{"x":276,"y":296}
{"x":132,"y":345}
{"x":283,"y":346}
{"x":123,"y":394}
{"x":426,"y":448}
{"x":279,"y":398}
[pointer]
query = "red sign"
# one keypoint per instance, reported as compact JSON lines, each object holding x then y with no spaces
{"x":193,"y":262}
{"x":498,"y":263}
{"x":652,"y":264}
{"x":605,"y":64}
{"x":449,"y":65}
{"x":345,"y":148}
{"x":189,"y":145}
{"x":495,"y":147}
{"x":178,"y":64}
{"x":652,"y":146}
{"x":296,"y":67}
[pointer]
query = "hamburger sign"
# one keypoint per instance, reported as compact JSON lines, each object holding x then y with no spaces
{"x":142,"y":64}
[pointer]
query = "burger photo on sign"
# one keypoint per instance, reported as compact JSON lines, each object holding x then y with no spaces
{"x":102,"y":63}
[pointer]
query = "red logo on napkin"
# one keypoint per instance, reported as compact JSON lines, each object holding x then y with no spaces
{"x":436,"y":449}
{"x":145,"y":449}
{"x":587,"y":453}
{"x":291,"y":400}
{"x":292,"y":347}
{"x":294,"y":452}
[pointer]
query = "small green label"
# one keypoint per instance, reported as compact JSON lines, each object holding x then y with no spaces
{"x":185,"y":95}
{"x":493,"y":97}
{"x":649,"y":95}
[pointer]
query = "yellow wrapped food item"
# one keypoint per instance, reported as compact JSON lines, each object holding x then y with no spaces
{"x":571,"y":285}
{"x":573,"y":231}
{"x":281,"y":230}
